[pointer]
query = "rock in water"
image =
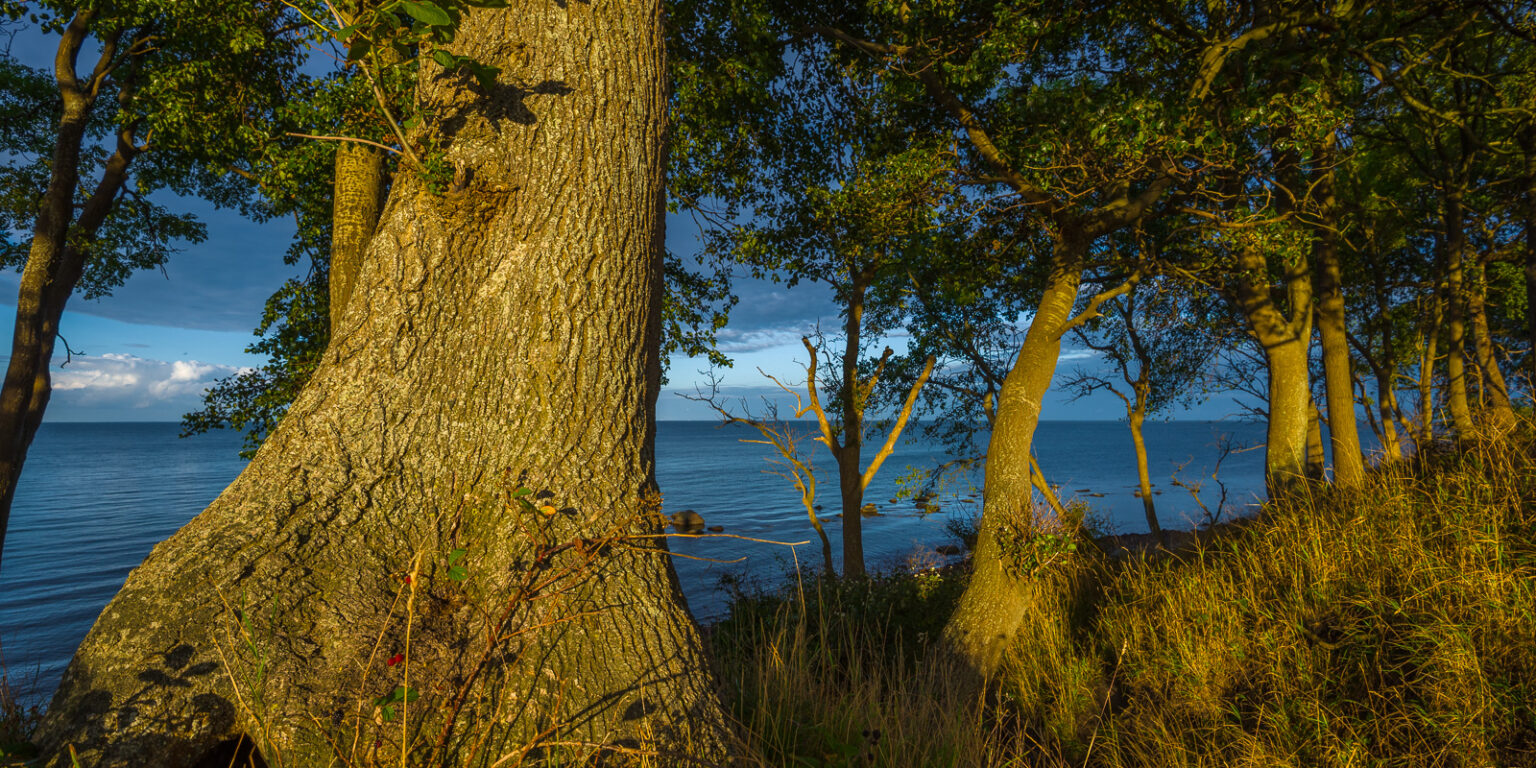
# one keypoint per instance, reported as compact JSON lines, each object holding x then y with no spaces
{"x":687,"y":521}
{"x":869,"y":510}
{"x":717,"y":529}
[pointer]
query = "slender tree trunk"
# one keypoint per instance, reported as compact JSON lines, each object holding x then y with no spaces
{"x":1427,"y":356}
{"x":361,"y":179}
{"x":1317,"y":460}
{"x":1529,"y":145}
{"x":376,"y":544}
{"x":849,"y":476}
{"x":1338,"y":374}
{"x":1500,"y":411}
{"x":1138,"y":416}
{"x":1386,"y":406}
{"x":992,"y":607}
{"x":53,"y":266}
{"x":1456,"y":324}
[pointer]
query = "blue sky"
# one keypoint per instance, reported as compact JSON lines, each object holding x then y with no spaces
{"x":148,"y":351}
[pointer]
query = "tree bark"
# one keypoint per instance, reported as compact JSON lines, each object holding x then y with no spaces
{"x":1338,"y":374}
{"x":359,"y":187}
{"x":1138,"y":416}
{"x":1317,"y":461}
{"x":1285,"y":341}
{"x":53,"y":266}
{"x":1427,"y":356}
{"x":1456,"y":324}
{"x":1528,"y":144}
{"x":1499,"y":411}
{"x":376,"y":541}
{"x":991,"y":609}
{"x":850,"y":478}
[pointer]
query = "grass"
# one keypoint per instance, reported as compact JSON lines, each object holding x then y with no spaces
{"x":1390,"y":626}
{"x":1394,"y":625}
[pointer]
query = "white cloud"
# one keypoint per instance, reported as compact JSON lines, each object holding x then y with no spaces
{"x":128,"y":381}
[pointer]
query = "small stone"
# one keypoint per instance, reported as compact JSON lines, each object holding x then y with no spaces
{"x":716,"y":529}
{"x":687,"y":521}
{"x":869,"y":510}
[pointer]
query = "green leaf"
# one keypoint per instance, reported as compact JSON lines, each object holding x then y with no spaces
{"x":358,"y":49}
{"x":388,"y":713}
{"x":485,"y":75}
{"x":456,"y":555}
{"x":458,"y":573}
{"x":448,"y":60}
{"x":427,"y":13}
{"x":521,"y":492}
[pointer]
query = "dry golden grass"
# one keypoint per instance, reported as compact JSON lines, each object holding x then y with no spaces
{"x":1395,"y":625}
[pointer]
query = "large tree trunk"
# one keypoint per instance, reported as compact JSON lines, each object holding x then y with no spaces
{"x":1455,"y":318}
{"x":376,"y":540}
{"x":361,"y":179}
{"x":1338,"y":374}
{"x":991,"y":609}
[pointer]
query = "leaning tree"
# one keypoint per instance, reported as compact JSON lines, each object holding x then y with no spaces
{"x":447,"y":550}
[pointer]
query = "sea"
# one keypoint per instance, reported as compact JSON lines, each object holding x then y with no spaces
{"x":95,"y":498}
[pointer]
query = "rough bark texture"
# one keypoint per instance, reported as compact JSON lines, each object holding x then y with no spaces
{"x":1338,"y":369}
{"x":992,"y":607}
{"x":355,"y":209}
{"x":509,"y":339}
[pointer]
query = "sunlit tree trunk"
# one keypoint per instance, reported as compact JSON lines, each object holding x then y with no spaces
{"x":1427,"y":356}
{"x":377,"y":541}
{"x":361,"y":179}
{"x":1317,"y":460}
{"x":1285,"y":341}
{"x":1500,"y":412}
{"x":1332,"y":327}
{"x":1138,"y":417}
{"x":992,"y":607}
{"x":1455,"y":317}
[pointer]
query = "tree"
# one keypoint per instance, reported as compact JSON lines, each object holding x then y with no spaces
{"x":1158,"y":350}
{"x":467,"y":480}
{"x":173,"y":95}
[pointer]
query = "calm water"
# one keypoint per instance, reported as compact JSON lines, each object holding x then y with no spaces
{"x":96,"y":497}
